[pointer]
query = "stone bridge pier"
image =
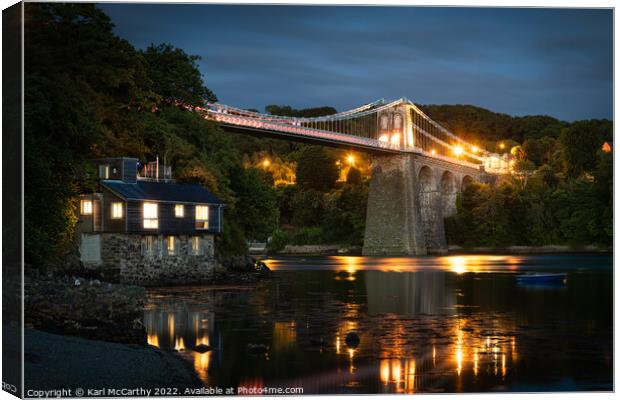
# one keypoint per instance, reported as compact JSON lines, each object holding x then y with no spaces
{"x":408,"y":199}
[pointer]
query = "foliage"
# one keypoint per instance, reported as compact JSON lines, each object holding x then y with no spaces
{"x":175,"y":75}
{"x":580,"y":143}
{"x":91,"y":94}
{"x":316,"y":169}
{"x":354,"y":176}
{"x":79,"y":79}
{"x":288,"y":111}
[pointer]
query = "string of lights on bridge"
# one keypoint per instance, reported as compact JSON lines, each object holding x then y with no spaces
{"x":397,"y":126}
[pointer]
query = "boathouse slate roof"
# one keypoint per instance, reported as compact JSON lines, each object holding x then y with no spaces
{"x":162,"y":191}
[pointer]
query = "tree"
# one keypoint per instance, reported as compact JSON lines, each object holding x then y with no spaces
{"x":580,"y":143}
{"x":288,"y":111}
{"x":354,"y":176}
{"x":256,"y":208}
{"x":175,"y":75}
{"x":316,"y":169}
{"x":80,"y":79}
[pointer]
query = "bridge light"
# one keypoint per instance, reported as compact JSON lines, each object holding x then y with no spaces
{"x":502,"y":145}
{"x":433,"y":151}
{"x":351,"y":159}
{"x":266,"y":162}
{"x":474,"y":149}
{"x":383,"y":138}
{"x":395,"y":138}
{"x":458,"y":150}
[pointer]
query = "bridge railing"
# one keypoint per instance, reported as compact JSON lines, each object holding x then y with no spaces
{"x":355,"y":127}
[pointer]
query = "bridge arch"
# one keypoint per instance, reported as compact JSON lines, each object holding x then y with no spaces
{"x":449,"y":191}
{"x":427,"y":199}
{"x":425,"y":179}
{"x":466,"y":181}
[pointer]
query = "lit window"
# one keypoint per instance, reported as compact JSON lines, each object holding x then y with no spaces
{"x":202,"y":217}
{"x":196,"y":246}
{"x":149,"y":246}
{"x":172,"y":245}
{"x":117,"y":210}
{"x":149,"y":214}
{"x":86,"y":207}
{"x":179,"y":211}
{"x":104,"y":171}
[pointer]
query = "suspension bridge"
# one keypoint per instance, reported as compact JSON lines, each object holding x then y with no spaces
{"x":379,"y":127}
{"x":418,"y":166}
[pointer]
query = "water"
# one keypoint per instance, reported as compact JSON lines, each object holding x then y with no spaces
{"x":426,"y":324}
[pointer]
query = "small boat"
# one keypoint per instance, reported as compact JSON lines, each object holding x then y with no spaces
{"x":542,"y":278}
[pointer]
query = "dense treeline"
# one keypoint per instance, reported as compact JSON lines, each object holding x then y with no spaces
{"x":91,"y":94}
{"x":561,"y":192}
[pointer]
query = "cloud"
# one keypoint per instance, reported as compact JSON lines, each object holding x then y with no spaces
{"x":518,"y":61}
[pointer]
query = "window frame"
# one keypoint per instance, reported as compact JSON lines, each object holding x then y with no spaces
{"x":198,"y":249}
{"x":175,"y":241}
{"x":86,"y":210}
{"x":153,"y":240}
{"x":105,"y":168}
{"x":153,"y":222}
{"x":119,"y":205}
{"x":199,"y":223}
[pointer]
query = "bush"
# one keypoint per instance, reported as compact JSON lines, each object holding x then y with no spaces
{"x":278,"y":240}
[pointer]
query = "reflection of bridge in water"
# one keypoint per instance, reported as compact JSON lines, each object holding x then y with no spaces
{"x":417,"y":170}
{"x":423,"y":292}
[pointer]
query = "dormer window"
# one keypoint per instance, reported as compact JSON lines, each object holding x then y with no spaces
{"x":104,"y":171}
{"x":202,"y":217}
{"x":179,"y":210}
{"x":86,"y":207}
{"x":150,"y":215}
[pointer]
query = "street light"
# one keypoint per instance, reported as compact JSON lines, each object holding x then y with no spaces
{"x":351,"y":159}
{"x":433,"y":151}
{"x":474,"y":149}
{"x":266,"y":163}
{"x":458,"y":150}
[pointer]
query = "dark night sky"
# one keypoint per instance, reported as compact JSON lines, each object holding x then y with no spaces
{"x":518,"y":61}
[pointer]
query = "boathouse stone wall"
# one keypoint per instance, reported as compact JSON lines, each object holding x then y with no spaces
{"x":125,"y":254}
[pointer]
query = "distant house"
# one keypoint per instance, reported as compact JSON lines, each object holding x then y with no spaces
{"x":607,"y":147}
{"x":143,"y":225}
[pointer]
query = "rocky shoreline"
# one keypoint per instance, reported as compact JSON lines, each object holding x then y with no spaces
{"x":54,"y":362}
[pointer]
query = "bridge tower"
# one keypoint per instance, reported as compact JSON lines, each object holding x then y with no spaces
{"x":417,"y":170}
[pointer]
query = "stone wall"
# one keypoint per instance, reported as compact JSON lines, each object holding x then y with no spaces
{"x":125,"y":253}
{"x":408,"y":199}
{"x":393,"y":217}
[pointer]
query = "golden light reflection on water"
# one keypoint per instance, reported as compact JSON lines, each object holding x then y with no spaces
{"x":459,"y":264}
{"x":284,"y":335}
{"x":201,"y":365}
{"x":152,"y":339}
{"x":398,"y":374}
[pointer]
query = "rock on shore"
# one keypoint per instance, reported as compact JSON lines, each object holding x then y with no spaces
{"x":85,"y":307}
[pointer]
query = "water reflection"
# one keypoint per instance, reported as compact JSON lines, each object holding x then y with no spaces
{"x":439,"y":324}
{"x":181,"y":330}
{"x":458,"y":264}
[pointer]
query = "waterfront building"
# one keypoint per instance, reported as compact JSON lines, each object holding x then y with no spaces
{"x":147,"y":228}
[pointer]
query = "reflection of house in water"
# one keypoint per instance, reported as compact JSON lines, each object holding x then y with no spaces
{"x":408,"y":293}
{"x":183,"y":330}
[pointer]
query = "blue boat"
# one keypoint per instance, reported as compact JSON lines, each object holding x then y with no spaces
{"x":542,"y":278}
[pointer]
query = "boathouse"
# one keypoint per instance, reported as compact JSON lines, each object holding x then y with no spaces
{"x":146,"y":227}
